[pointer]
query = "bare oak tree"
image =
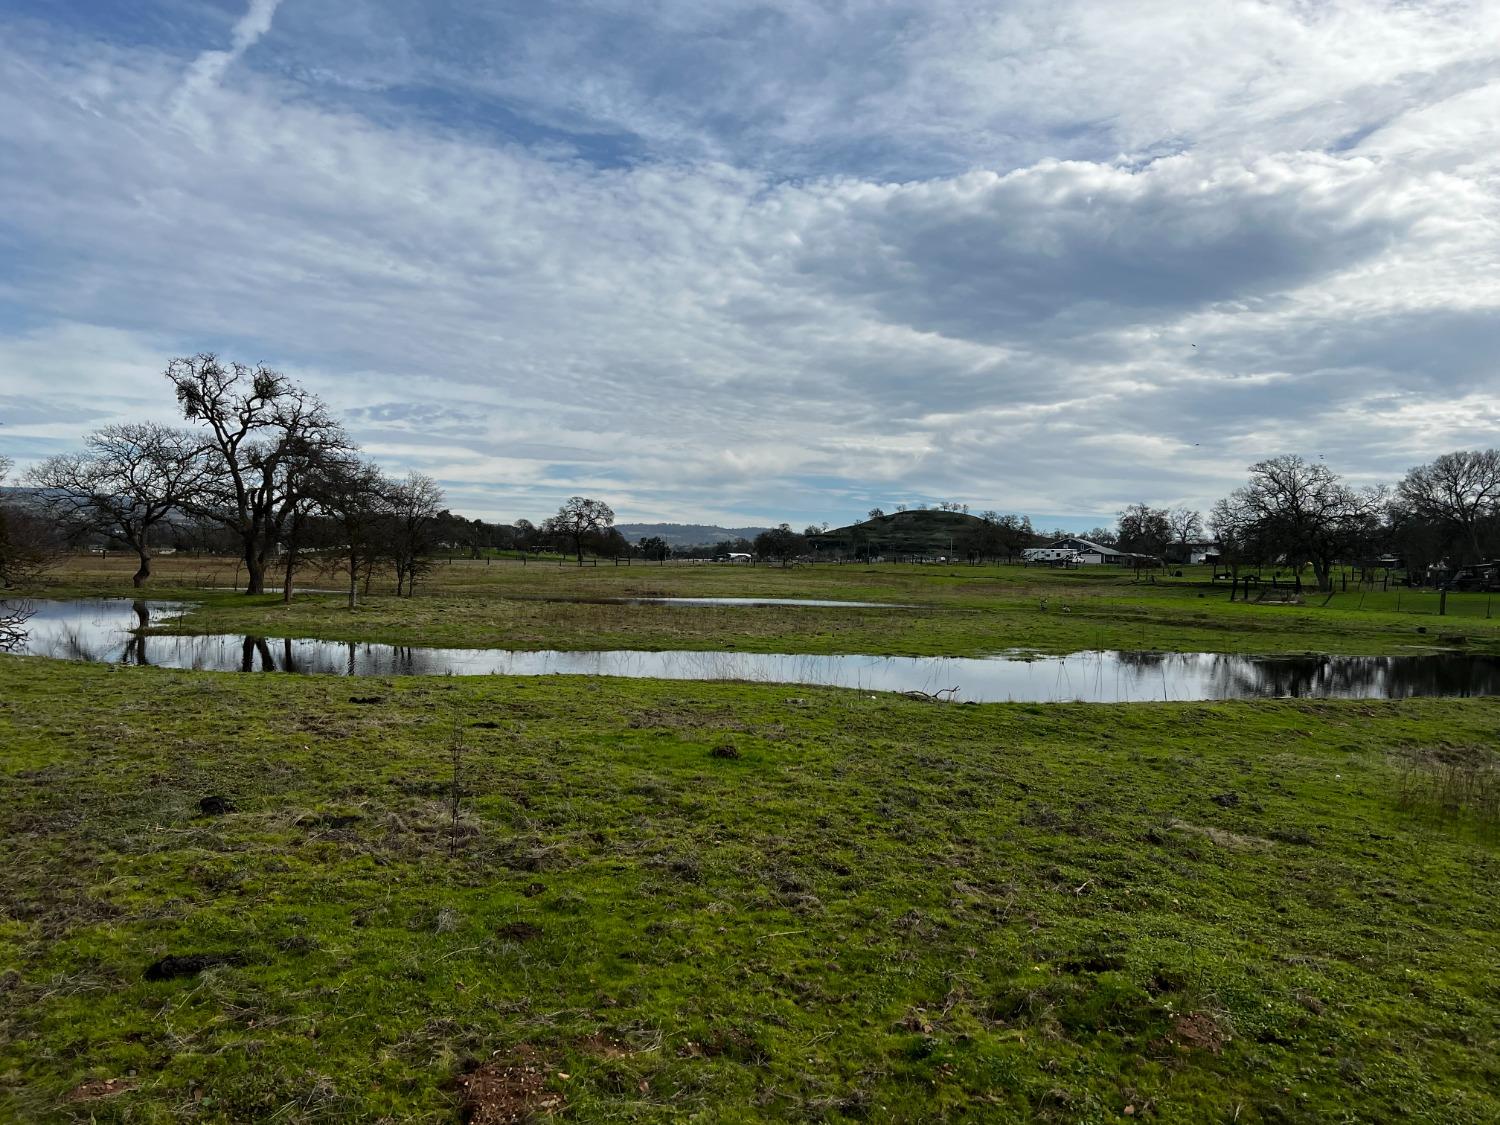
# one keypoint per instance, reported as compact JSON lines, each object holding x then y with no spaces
{"x":1459,"y":493}
{"x":1233,"y":524}
{"x":351,"y":496}
{"x":129,"y":479}
{"x":580,"y":518}
{"x":1144,"y":530}
{"x":1302,"y":511}
{"x":414,"y":505}
{"x":780,"y":543}
{"x":1186,"y":525}
{"x":268,"y":434}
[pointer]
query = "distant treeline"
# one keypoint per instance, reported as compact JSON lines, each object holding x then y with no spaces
{"x":264,"y":471}
{"x":1440,"y":522}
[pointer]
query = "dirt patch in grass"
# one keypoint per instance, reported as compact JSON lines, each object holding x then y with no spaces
{"x":510,"y":1090}
{"x":730,"y":1043}
{"x":518,"y":932}
{"x":1199,"y":1031}
{"x":96,"y":1088}
{"x":175,"y":965}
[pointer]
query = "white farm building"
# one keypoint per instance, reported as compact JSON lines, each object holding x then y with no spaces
{"x":1073,"y":551}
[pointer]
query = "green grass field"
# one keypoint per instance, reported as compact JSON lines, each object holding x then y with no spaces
{"x":880,"y":909}
{"x":727,"y":902}
{"x":961,"y":611}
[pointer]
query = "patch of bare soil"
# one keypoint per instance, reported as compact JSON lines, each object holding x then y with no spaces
{"x":508,"y":1092}
{"x":175,"y":965}
{"x":99,"y":1088}
{"x":518,"y":931}
{"x":1199,"y":1031}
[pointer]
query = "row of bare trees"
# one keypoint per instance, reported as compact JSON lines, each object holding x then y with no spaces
{"x":1302,"y":513}
{"x":265,"y":461}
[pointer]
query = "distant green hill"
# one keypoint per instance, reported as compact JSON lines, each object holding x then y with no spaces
{"x":924,"y":531}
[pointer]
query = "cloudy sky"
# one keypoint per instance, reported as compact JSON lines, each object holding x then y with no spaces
{"x":739,"y":262}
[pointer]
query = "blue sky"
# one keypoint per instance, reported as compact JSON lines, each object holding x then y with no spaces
{"x":744,"y":262}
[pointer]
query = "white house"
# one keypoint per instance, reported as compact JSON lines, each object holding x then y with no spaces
{"x":1090,"y":553}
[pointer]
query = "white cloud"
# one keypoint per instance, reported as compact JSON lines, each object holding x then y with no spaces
{"x":208,"y":68}
{"x":692,"y":333}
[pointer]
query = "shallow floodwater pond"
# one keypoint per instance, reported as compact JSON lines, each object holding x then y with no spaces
{"x":102,"y":631}
{"x":818,"y":603}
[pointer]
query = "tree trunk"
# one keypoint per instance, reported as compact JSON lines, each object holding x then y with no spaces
{"x":286,"y":582}
{"x":353,"y":582}
{"x":255,"y":573}
{"x":140,"y":576}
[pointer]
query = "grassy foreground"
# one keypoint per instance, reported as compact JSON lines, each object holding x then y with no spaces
{"x":960,"y":611}
{"x":879,"y":909}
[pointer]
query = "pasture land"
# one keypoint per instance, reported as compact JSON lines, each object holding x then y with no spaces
{"x":263,"y":897}
{"x":730,"y":902}
{"x":960,"y":610}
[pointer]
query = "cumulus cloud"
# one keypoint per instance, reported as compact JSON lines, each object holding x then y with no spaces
{"x":1036,"y":257}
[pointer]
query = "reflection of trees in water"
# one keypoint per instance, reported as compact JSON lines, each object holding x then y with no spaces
{"x":1240,"y":677}
{"x":13,"y":618}
{"x":89,"y":630}
{"x":76,"y":644}
{"x":135,"y":647}
{"x":1380,"y":677}
{"x":250,"y":649}
{"x":1146,"y":661}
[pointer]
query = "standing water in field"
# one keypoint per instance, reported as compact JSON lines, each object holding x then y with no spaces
{"x":813,"y":603}
{"x":105,"y":631}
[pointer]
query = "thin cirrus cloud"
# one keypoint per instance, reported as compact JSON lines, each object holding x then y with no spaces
{"x":764,"y":261}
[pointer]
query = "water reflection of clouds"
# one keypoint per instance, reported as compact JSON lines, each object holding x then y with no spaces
{"x":106,"y":631}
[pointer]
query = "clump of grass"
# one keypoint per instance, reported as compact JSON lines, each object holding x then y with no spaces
{"x":1452,"y":783}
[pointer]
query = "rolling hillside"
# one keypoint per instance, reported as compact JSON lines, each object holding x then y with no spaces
{"x":919,"y":532}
